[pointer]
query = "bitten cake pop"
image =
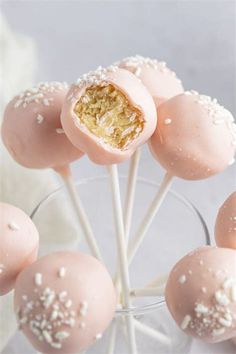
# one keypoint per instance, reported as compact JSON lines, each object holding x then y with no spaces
{"x":195,"y":137}
{"x":161,"y":82}
{"x":201,"y":294}
{"x":64,"y":302}
{"x":225,"y":227}
{"x":32,"y":130}
{"x":19,"y":242}
{"x":107,"y":114}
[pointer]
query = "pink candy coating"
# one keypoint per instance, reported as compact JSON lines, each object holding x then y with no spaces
{"x":225,"y":227}
{"x":201,"y":294}
{"x":19,"y":241}
{"x":161,"y":82}
{"x":64,"y":302}
{"x":32,"y":130}
{"x":98,"y":151}
{"x":195,"y":137}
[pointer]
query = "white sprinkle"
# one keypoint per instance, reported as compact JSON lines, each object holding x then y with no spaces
{"x":138,"y":72}
{"x":68,"y":304}
{"x":60,"y":131}
{"x":46,"y":102}
{"x":56,"y":345}
{"x":47,"y":336}
{"x":24,"y":297}
{"x":229,"y":282}
{"x":167,"y":121}
{"x":83,"y":308}
{"x":62,"y":272}
{"x":98,"y":336}
{"x":82,"y":325}
{"x":13,"y":226}
{"x":18,"y":103}
{"x":218,"y":332}
{"x":38,"y":279}
{"x":182,"y":279}
{"x":62,"y":295}
{"x":221,"y":298}
{"x":54,"y":315}
{"x":62,"y":335}
{"x":201,"y":262}
{"x":204,"y":290}
{"x":185,"y":322}
{"x":201,"y":309}
{"x":224,"y":322}
{"x":39,"y":119}
{"x":1,"y":268}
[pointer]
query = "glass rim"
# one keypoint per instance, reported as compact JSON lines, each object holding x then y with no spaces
{"x":139,"y":309}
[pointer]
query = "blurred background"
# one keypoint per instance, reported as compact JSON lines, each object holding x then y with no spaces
{"x":195,"y":38}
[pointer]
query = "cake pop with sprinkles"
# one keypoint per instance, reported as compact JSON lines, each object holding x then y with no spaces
{"x":32,"y":131}
{"x":19,"y":242}
{"x":195,"y":136}
{"x":107,"y":114}
{"x":64,"y":302}
{"x":201,"y":294}
{"x":161,"y":82}
{"x":225,"y":227}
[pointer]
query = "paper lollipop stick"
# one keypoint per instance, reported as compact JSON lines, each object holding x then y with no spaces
{"x":122,"y":252}
{"x":65,"y":173}
{"x":154,"y":291}
{"x":160,"y":337}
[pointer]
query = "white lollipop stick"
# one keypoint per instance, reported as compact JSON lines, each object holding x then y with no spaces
{"x":80,"y":212}
{"x":122,"y":252}
{"x":130,"y":192}
{"x":150,"y":215}
{"x":159,"y":281}
{"x":112,"y":339}
{"x":153,"y":333}
{"x":155,"y":291}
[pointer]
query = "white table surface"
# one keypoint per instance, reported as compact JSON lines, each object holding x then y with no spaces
{"x":196,"y":38}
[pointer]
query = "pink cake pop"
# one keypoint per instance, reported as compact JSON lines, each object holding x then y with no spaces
{"x":108,"y":113}
{"x":225,"y":228}
{"x":161,"y":82}
{"x":64,"y":302}
{"x":201,"y":293}
{"x":32,"y":130}
{"x":195,"y":137}
{"x":19,"y":242}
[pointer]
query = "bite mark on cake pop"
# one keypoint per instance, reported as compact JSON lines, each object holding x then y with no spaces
{"x":109,"y":115}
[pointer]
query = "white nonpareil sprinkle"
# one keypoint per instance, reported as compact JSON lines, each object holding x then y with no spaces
{"x":39,"y":119}
{"x":222,"y":298}
{"x":201,"y":309}
{"x":38,"y":279}
{"x":62,"y":272}
{"x":68,"y":304}
{"x":1,"y":268}
{"x":204,"y":290}
{"x":229,"y":282}
{"x":62,"y":335}
{"x":13,"y":226}
{"x":83,"y":308}
{"x":167,"y":121}
{"x":60,"y":131}
{"x":224,"y":322}
{"x":82,"y":325}
{"x":182,"y":279}
{"x":62,"y":295}
{"x":218,"y":332}
{"x":186,"y":321}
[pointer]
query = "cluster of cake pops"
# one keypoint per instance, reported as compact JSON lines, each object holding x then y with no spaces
{"x":65,"y":301}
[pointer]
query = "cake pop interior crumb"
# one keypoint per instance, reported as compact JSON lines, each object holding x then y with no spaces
{"x":108,"y":114}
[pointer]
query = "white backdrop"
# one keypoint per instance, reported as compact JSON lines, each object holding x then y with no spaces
{"x":196,"y":39}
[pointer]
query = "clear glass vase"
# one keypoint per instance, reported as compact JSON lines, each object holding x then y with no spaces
{"x":177,"y":229}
